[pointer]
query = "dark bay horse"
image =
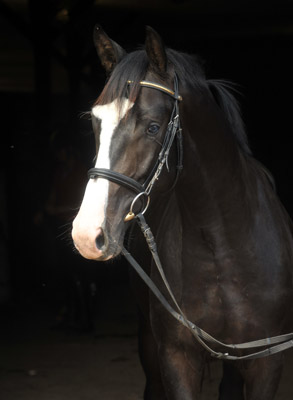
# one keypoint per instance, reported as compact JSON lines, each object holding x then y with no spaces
{"x":223,"y":237}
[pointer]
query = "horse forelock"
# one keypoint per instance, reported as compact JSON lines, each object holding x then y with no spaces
{"x":134,"y":67}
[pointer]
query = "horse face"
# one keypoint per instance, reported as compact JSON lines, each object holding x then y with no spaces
{"x":128,"y":137}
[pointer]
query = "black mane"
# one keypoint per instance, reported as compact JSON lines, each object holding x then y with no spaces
{"x":221,"y":91}
{"x":134,"y":66}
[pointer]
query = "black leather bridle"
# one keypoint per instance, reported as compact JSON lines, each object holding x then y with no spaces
{"x":173,"y":130}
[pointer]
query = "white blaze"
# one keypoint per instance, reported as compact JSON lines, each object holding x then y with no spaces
{"x":110,"y":116}
{"x":92,"y":211}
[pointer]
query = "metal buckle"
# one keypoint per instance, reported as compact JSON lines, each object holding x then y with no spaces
{"x":131,"y":214}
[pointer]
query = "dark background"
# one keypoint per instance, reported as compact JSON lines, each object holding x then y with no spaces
{"x":50,"y":76}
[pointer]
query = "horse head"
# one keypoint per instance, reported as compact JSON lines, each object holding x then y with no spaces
{"x":130,"y":121}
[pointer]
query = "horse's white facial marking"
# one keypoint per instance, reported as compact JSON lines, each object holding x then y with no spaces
{"x":110,"y":116}
{"x":92,"y":211}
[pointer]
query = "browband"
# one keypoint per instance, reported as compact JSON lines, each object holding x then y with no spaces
{"x":162,"y":88}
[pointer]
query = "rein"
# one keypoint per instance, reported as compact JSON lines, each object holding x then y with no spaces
{"x":276,"y":343}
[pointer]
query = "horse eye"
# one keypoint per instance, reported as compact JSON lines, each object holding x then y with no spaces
{"x":153,"y":129}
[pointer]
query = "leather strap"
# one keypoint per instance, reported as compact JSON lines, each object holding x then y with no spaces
{"x":162,"y":88}
{"x":116,"y":177}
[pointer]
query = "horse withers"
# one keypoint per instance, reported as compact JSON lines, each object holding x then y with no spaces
{"x":167,"y":134}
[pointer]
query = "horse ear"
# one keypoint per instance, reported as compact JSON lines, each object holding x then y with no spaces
{"x":109,"y":52}
{"x":155,"y":50}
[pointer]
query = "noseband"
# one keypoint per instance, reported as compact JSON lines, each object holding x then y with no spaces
{"x":173,"y":130}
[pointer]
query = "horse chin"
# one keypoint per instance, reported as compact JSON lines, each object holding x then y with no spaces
{"x":104,"y":255}
{"x":110,"y":255}
{"x":104,"y":258}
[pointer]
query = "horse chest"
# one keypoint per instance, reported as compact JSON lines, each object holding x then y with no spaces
{"x":199,"y":295}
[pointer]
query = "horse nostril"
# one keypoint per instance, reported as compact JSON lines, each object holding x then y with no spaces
{"x":100,"y":241}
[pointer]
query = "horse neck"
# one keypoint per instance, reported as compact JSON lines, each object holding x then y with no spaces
{"x":212,"y":184}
